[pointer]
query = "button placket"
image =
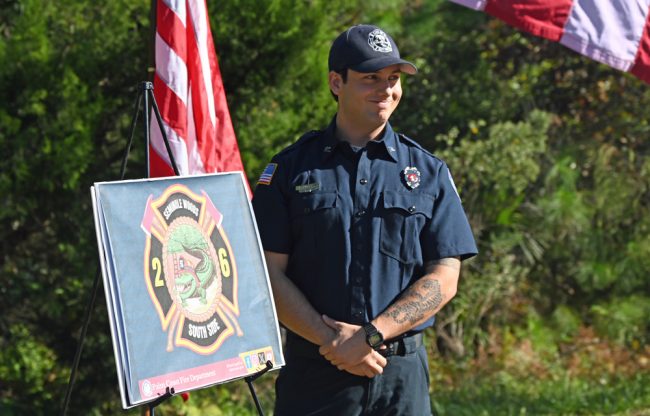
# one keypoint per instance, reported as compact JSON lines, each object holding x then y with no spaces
{"x":359,"y":228}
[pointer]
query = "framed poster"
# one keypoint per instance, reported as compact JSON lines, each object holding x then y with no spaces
{"x":188,"y":294}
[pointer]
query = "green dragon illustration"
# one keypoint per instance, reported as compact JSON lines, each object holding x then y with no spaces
{"x":192,"y":283}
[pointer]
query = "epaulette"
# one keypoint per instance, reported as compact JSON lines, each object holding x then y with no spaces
{"x":310,"y":135}
{"x":413,"y":143}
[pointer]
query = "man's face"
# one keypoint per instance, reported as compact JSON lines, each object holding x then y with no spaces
{"x":368,"y":99}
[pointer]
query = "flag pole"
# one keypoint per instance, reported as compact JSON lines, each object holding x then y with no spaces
{"x":151,"y":69}
{"x":151,"y":48}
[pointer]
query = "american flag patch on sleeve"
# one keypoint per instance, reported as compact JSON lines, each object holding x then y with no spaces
{"x":267,"y":175}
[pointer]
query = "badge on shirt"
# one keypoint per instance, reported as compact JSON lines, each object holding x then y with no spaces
{"x":412,"y":177}
{"x":267,"y":175}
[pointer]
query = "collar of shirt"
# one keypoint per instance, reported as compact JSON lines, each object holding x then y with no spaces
{"x":386,"y":144}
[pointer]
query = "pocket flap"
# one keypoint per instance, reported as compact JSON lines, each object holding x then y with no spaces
{"x":307,"y":203}
{"x":410,"y":203}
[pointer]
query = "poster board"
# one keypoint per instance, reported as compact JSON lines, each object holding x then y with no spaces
{"x":187,"y":290}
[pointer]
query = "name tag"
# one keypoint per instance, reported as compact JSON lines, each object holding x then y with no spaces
{"x":308,"y":187}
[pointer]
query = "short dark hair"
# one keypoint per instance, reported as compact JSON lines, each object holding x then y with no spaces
{"x":344,"y":76}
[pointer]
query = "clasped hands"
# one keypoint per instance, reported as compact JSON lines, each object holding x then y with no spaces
{"x":349,"y":351}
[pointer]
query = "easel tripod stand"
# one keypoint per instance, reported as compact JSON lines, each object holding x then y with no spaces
{"x":145,"y":93}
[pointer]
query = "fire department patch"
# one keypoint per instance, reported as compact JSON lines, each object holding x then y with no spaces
{"x":190,"y":270}
{"x":411,"y":177}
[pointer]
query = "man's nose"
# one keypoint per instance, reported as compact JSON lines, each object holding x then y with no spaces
{"x":386,"y":86}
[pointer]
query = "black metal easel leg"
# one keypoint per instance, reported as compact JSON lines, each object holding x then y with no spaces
{"x":152,"y":405}
{"x":249,"y":381}
{"x":82,"y":336}
{"x":162,"y":131}
{"x":134,"y":121}
{"x":146,"y":87}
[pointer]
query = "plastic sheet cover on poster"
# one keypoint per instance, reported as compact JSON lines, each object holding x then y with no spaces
{"x":187,"y":290}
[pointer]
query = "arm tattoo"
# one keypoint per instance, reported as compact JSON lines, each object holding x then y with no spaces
{"x":417,"y":302}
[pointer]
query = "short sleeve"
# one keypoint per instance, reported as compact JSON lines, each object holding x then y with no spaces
{"x":271,"y":208}
{"x":448,"y":233}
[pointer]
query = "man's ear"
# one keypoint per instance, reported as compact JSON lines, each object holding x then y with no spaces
{"x":335,"y":82}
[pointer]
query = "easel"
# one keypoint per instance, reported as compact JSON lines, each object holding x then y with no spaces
{"x":145,"y":92}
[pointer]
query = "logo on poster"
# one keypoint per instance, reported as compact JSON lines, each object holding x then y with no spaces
{"x":190,"y":270}
{"x":146,"y":388}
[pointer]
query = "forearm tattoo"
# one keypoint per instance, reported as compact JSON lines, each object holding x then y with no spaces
{"x":417,"y":302}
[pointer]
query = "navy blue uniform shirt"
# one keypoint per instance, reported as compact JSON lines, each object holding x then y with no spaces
{"x":357,"y":234}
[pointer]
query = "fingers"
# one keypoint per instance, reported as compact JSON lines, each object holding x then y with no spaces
{"x":358,"y":371}
{"x":364,"y":369}
{"x":342,"y":361}
{"x":325,"y":350}
{"x":333,"y":360}
{"x":329,"y":321}
{"x":379,"y":359}
{"x":334,"y":324}
{"x":371,"y":366}
{"x":373,"y":358}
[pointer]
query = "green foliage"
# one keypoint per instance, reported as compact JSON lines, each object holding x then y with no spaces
{"x":623,"y":319}
{"x":28,"y":367}
{"x":565,"y":321}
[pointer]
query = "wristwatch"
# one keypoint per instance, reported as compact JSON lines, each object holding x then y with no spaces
{"x":374,"y":338}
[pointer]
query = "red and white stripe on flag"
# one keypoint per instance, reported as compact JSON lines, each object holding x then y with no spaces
{"x":614,"y":32}
{"x":189,"y":92}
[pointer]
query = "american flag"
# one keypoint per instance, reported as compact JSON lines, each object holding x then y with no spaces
{"x":614,"y":32}
{"x":189,"y":92}
{"x":267,"y":175}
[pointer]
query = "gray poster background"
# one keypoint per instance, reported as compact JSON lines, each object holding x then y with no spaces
{"x":123,"y":205}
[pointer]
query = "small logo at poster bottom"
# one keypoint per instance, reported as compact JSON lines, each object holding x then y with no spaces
{"x":256,"y":360}
{"x":146,"y":388}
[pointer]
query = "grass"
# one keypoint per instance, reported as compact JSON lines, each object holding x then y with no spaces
{"x":505,"y":395}
{"x":586,"y":375}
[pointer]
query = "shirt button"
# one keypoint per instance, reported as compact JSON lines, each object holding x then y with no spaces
{"x":412,"y":209}
{"x":360,"y":213}
{"x":363,"y":181}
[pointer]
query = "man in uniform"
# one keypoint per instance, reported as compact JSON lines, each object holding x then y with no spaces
{"x":363,"y":233}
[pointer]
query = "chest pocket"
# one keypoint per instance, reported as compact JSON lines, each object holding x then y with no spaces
{"x":403,"y":217}
{"x":305,"y":204}
{"x":312,"y":214}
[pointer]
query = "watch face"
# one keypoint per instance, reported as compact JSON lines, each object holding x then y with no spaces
{"x":375,"y":339}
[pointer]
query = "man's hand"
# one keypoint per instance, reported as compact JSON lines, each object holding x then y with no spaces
{"x":349,"y":351}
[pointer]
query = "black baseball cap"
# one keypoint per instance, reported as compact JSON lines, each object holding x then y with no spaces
{"x":366,"y":48}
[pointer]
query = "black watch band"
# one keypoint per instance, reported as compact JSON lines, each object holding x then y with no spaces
{"x":374,"y":338}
